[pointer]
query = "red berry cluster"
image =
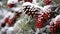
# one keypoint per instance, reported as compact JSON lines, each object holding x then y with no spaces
{"x":41,"y":19}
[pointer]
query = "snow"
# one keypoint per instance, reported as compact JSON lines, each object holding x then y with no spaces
{"x":57,"y":18}
{"x":12,"y":1}
{"x":31,"y":6}
{"x":9,"y":14}
{"x":26,"y":3}
{"x":47,"y":8}
{"x":16,"y":9}
{"x":3,"y":12}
